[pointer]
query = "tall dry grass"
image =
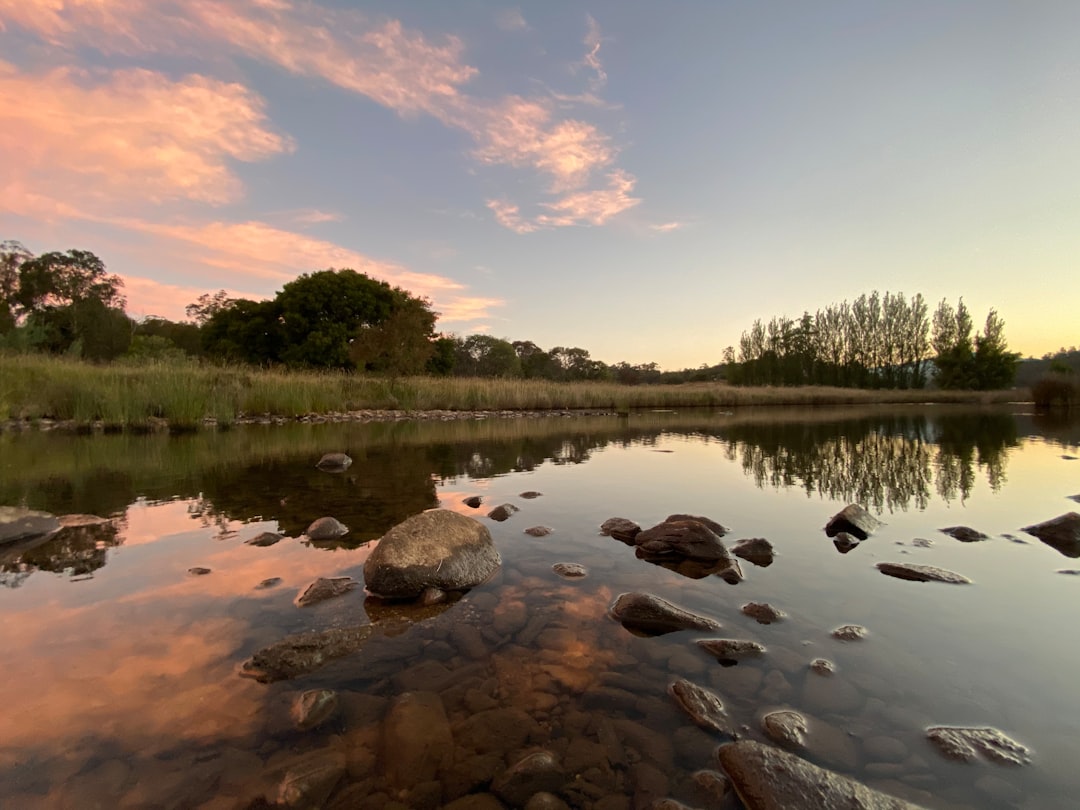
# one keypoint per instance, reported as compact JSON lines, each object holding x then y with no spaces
{"x":186,"y":394}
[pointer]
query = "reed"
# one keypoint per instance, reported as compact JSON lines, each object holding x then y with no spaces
{"x":186,"y":394}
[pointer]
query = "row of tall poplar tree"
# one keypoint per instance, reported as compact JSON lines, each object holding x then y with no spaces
{"x":876,"y":341}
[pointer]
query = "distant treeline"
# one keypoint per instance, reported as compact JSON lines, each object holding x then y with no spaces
{"x":66,"y":303}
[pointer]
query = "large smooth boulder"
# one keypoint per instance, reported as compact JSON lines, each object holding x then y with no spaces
{"x":766,"y":778}
{"x":436,"y":549}
{"x":650,"y":615}
{"x":25,"y":524}
{"x":326,"y":528}
{"x":334,"y":462}
{"x":1062,"y":533}
{"x":854,"y":520}
{"x":684,"y":538}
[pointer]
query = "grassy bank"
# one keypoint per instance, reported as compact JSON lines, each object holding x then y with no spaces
{"x":36,"y":387}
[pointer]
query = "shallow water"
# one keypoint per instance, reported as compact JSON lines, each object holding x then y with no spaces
{"x":120,"y":681}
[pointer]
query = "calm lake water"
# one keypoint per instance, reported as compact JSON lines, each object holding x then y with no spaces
{"x":120,"y":682}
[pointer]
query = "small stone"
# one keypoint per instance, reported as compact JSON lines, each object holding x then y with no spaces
{"x":850,"y":632}
{"x":313,"y":707}
{"x":1070,"y":571}
{"x":702,"y":706}
{"x":265,"y":539}
{"x":763,"y":612}
{"x":965,"y":534}
{"x":620,"y":528}
{"x":503,"y":512}
{"x":713,"y":786}
{"x":787,"y":728}
{"x":967,"y":744}
{"x":922,"y":542}
{"x":854,"y":520}
{"x":538,"y":531}
{"x":756,"y":550}
{"x":844,"y":542}
{"x":729,"y":651}
{"x":651,"y":615}
{"x":473,"y":501}
{"x":198,"y":571}
{"x":570,"y":570}
{"x":324,"y":588}
{"x":334,"y":462}
{"x":269,"y":582}
{"x":326,"y":528}
{"x":535,"y":773}
{"x":530,"y":494}
{"x":822,"y":666}
{"x":922,"y":573}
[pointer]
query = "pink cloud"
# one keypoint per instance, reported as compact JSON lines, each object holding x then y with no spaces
{"x":130,"y":136}
{"x":588,"y":207}
{"x":509,"y":216}
{"x":146,"y":297}
{"x":667,"y":227}
{"x":315,"y":217}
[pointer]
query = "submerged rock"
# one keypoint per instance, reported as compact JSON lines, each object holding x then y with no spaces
{"x":652,"y":616}
{"x":473,"y":501}
{"x":334,"y":462}
{"x":311,"y":778}
{"x":530,"y":494}
{"x":786,"y":727}
{"x":198,"y":571}
{"x":313,"y":707}
{"x":968,"y":744}
{"x":702,"y":706}
{"x":570,"y":570}
{"x":620,"y":528}
{"x":730,"y":651}
{"x":922,"y":573}
{"x":767,"y":778}
{"x":324,"y":588}
{"x":265,"y":539}
{"x":763,"y":612}
{"x":503,"y":512}
{"x":538,"y":531}
{"x":81,"y":521}
{"x":854,"y":520}
{"x":269,"y":582}
{"x":756,"y":550}
{"x":822,"y":666}
{"x":326,"y":528}
{"x":850,"y":632}
{"x":1062,"y":533}
{"x":439,"y":549}
{"x":417,"y":744}
{"x":25,"y":524}
{"x":684,"y":538}
{"x":714,"y":527}
{"x":965,"y":534}
{"x":538,"y":772}
{"x":845,"y":542}
{"x":303,"y":653}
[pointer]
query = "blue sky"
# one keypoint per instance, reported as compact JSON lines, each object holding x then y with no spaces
{"x":641,"y":180}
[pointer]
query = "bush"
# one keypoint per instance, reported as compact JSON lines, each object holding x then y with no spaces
{"x":1056,"y":390}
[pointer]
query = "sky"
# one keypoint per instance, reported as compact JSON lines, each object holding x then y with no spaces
{"x":638,"y":179}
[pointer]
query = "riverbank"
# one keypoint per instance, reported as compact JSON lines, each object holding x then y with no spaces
{"x":56,"y":392}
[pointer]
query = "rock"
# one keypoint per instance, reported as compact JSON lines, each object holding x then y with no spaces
{"x":495,"y":731}
{"x":416,"y":741}
{"x":269,"y":582}
{"x":767,"y":778}
{"x":922,"y":542}
{"x":885,"y":749}
{"x":538,"y":772}
{"x":334,"y":462}
{"x":730,"y":651}
{"x":1070,"y":571}
{"x":473,"y":501}
{"x":968,"y":744}
{"x":475,"y":801}
{"x":265,"y":539}
{"x":538,"y":531}
{"x":964,"y":534}
{"x":620,"y":528}
{"x":786,"y":728}
{"x":712,"y":786}
{"x":922,"y":573}
{"x":198,"y":571}
{"x":835,"y":695}
{"x":850,"y":632}
{"x":546,"y":801}
{"x":570,"y":570}
{"x":844,"y":542}
{"x":530,"y":494}
{"x":81,"y":521}
{"x":854,"y":520}
{"x":703,"y":707}
{"x":303,"y":653}
{"x":652,"y":616}
{"x":503,"y":512}
{"x":756,"y":550}
{"x":683,"y":538}
{"x":763,"y":612}
{"x":440,"y":549}
{"x":313,"y":707}
{"x":822,"y":666}
{"x":326,"y":528}
{"x":324,"y":588}
{"x":1062,"y":533}
{"x":25,"y":524}
{"x":310,"y":779}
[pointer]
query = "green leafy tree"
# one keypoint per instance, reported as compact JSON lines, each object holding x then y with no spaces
{"x":207,"y":305}
{"x":485,"y":356}
{"x":994,"y":365}
{"x":12,"y":256}
{"x":246,"y":332}
{"x":402,"y":343}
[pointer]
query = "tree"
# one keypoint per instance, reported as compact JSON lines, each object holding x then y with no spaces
{"x":535,"y":362}
{"x":12,"y":256}
{"x":486,"y":356}
{"x":994,"y":365}
{"x":953,"y":346}
{"x":246,"y":332}
{"x":207,"y":305}
{"x":402,"y":343}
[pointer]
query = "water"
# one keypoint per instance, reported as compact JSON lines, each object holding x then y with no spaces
{"x":121,"y":685}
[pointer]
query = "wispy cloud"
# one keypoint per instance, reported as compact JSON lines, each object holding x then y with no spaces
{"x":315,"y":216}
{"x":591,"y":207}
{"x":592,"y":55}
{"x":511,"y":19}
{"x":667,"y":227}
{"x":509,"y":216}
{"x":102,"y":139}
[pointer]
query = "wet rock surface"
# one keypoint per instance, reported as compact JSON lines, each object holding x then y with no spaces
{"x":538,"y":772}
{"x":850,"y":632}
{"x":717,"y":529}
{"x":570,"y":570}
{"x":854,"y":520}
{"x":922,"y":573}
{"x":198,"y":571}
{"x":787,"y":728}
{"x":702,"y":706}
{"x":620,"y":528}
{"x":334,"y":462}
{"x":844,"y":542}
{"x":970,"y":744}
{"x":822,"y":666}
{"x":682,"y":538}
{"x":313,"y":707}
{"x":304,"y":652}
{"x":1062,"y":533}
{"x":324,"y":588}
{"x":530,"y":494}
{"x":762,"y":612}
{"x":538,"y":531}
{"x":440,"y":549}
{"x":473,"y":501}
{"x":269,"y":582}
{"x":650,"y":615}
{"x":326,"y":528}
{"x":767,"y":778}
{"x":264,"y":540}
{"x":756,"y":550}
{"x":965,"y":534}
{"x":18,"y":524}
{"x":502,"y":512}
{"x":731,"y":650}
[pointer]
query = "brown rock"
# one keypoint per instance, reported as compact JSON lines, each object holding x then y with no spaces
{"x":756,"y":550}
{"x":502,"y":512}
{"x":964,"y":534}
{"x":530,"y":494}
{"x":702,"y":706}
{"x":922,"y":573}
{"x":763,"y":612}
{"x":538,"y":531}
{"x":538,"y":772}
{"x":334,"y":462}
{"x":324,"y":588}
{"x":473,"y":501}
{"x":313,"y":707}
{"x":850,"y":632}
{"x":650,"y":615}
{"x":1062,"y":533}
{"x":310,"y":779}
{"x":303,"y":653}
{"x":968,"y":744}
{"x":787,"y":728}
{"x":417,"y":744}
{"x":326,"y":528}
{"x":683,"y":538}
{"x":264,"y":539}
{"x":854,"y":520}
{"x":570,"y":570}
{"x":731,"y":650}
{"x":620,"y":528}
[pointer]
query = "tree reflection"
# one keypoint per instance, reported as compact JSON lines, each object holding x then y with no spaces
{"x":74,"y":551}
